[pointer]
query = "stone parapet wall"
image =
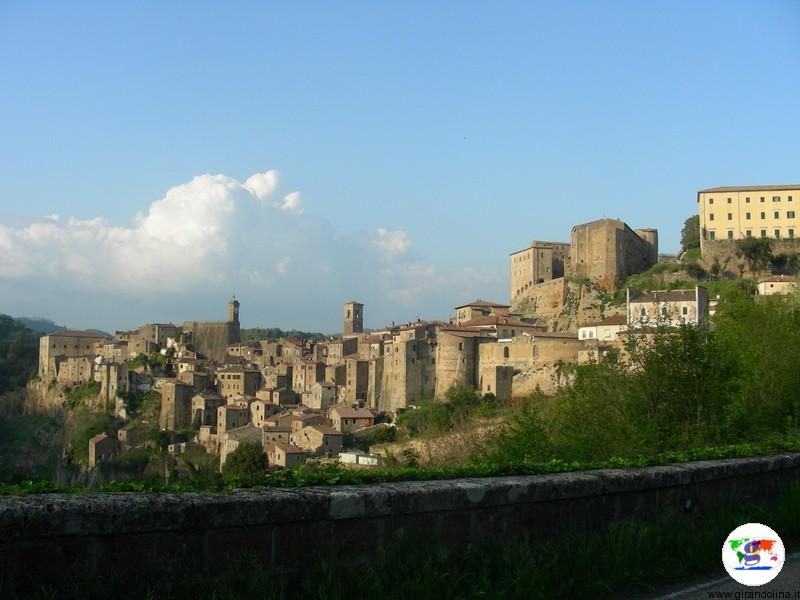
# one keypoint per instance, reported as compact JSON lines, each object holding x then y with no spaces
{"x":724,"y":251}
{"x":44,"y":535}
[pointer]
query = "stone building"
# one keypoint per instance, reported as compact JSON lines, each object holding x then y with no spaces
{"x":199,"y":380}
{"x":157,"y":333}
{"x":276,"y":434}
{"x":238,"y":381}
{"x":533,"y":358}
{"x":668,"y":308}
{"x":300,"y":421}
{"x":353,"y":318}
{"x":73,"y":370}
{"x":204,"y":409}
{"x":606,"y":251}
{"x":375,"y":381}
{"x":336,"y":374}
{"x":137,"y":344}
{"x":780,"y":284}
{"x":306,"y":374}
{"x":455,"y":362}
{"x":113,"y":351}
{"x":66,"y":344}
{"x":538,"y":263}
{"x":478,"y":308}
{"x":321,"y":440}
{"x":279,"y":376}
{"x":271,"y":352}
{"x":101,"y":447}
{"x":409,"y":369}
{"x":503,"y":327}
{"x":280,"y":454}
{"x":497,"y":380}
{"x":211,"y":339}
{"x":345,"y":418}
{"x":321,"y":396}
{"x":605,"y":330}
{"x":340,"y":348}
{"x":251,"y":352}
{"x":357,"y":380}
{"x":113,"y":378}
{"x":176,"y":405}
{"x":260,"y":411}
{"x":231,"y":417}
{"x":293,"y":349}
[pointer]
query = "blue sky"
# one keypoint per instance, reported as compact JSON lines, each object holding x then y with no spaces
{"x":462,"y":130}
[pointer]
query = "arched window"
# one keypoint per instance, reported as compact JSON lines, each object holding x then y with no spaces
{"x":505,"y":352}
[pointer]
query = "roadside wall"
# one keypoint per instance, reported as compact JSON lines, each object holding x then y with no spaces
{"x":45,"y":535}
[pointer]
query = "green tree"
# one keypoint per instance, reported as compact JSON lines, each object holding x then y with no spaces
{"x":19,"y":354}
{"x":756,"y":251}
{"x":244,"y":463}
{"x":690,"y":234}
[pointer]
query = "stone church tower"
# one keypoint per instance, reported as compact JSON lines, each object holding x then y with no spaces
{"x":353,"y":318}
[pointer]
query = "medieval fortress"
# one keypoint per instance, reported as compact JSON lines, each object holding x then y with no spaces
{"x":298,"y":398}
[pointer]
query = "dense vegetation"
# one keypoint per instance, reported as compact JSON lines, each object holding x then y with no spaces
{"x":678,"y":390}
{"x":690,"y":234}
{"x":19,"y":354}
{"x":246,"y":462}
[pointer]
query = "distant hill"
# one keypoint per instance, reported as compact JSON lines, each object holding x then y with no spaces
{"x":46,"y":326}
{"x":274,"y":333}
{"x":40,"y":325}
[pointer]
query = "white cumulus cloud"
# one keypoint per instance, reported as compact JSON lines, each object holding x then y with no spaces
{"x":391,"y":244}
{"x":262,"y":184}
{"x":292,"y":203}
{"x":187,"y":252}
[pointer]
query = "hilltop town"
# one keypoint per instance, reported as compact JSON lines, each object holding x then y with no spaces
{"x":199,"y":386}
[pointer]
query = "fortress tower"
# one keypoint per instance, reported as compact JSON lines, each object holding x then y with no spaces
{"x":353,"y":318}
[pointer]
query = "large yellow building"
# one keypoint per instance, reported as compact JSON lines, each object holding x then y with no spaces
{"x":732,"y":213}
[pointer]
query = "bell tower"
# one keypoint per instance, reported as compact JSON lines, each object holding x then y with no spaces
{"x":353,"y":317}
{"x":233,"y":311}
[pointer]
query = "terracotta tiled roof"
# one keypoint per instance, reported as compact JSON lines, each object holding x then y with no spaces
{"x":81,"y":334}
{"x":496,"y":320}
{"x":665,"y":296}
{"x":324,"y":429}
{"x":752,"y":188}
{"x":287,"y":448}
{"x":346,"y":412}
{"x":615,"y":320}
{"x":485,"y":304}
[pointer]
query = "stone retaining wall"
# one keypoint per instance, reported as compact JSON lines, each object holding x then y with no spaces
{"x":286,"y":528}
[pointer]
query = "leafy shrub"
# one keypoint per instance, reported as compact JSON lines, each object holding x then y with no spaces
{"x":82,"y":425}
{"x":433,"y":418}
{"x":693,"y":269}
{"x":80,"y":394}
{"x":244,"y":463}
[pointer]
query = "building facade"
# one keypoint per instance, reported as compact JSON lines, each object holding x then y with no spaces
{"x":734,"y":213}
{"x":540,"y":262}
{"x":668,"y":308}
